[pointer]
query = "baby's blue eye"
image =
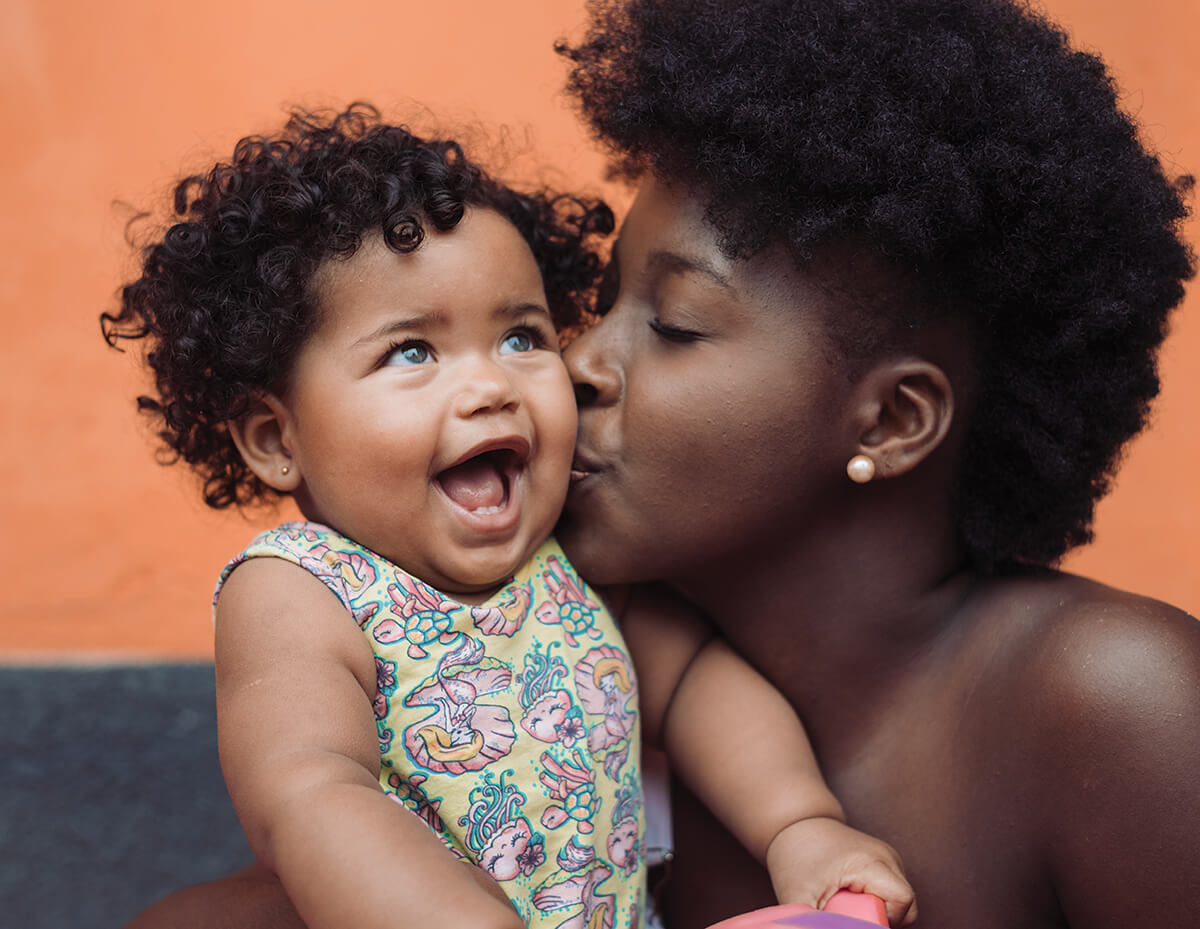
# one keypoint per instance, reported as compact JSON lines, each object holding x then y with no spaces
{"x":410,"y":353}
{"x":517,"y":342}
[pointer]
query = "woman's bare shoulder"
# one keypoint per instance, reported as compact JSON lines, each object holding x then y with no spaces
{"x":1087,"y":641}
{"x":1107,"y":687}
{"x":1078,"y":657}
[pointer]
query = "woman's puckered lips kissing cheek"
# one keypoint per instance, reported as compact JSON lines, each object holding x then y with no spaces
{"x":430,"y":414}
{"x":704,"y":394}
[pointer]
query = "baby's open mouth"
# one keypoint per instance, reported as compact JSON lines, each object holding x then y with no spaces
{"x":480,"y":484}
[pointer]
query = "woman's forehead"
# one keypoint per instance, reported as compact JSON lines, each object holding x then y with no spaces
{"x":668,"y":215}
{"x":666,"y":231}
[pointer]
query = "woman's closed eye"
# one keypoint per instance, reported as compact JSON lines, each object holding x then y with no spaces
{"x":675,"y":333}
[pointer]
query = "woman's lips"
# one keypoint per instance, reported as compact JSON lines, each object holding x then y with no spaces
{"x":583,"y":466}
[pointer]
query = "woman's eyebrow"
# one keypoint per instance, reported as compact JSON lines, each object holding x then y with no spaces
{"x":663,"y":261}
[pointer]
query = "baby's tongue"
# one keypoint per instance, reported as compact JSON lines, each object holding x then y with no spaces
{"x":474,"y":484}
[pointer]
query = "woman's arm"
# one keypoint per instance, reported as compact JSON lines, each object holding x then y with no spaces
{"x":738,"y":744}
{"x":300,"y":753}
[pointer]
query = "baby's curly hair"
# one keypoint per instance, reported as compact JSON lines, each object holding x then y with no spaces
{"x":225,"y":297}
{"x":965,"y":144}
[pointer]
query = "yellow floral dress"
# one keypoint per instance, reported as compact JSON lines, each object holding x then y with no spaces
{"x":510,"y":728}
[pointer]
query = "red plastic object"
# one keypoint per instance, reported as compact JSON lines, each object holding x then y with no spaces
{"x":845,"y":910}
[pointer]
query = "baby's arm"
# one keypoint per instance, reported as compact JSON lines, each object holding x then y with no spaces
{"x":300,"y":753}
{"x":738,"y":744}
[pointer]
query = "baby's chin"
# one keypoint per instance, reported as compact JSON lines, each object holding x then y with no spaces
{"x":479,"y":584}
{"x":473,"y":570}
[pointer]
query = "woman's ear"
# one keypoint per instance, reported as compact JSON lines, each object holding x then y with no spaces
{"x":262,"y":437}
{"x":904,"y":411}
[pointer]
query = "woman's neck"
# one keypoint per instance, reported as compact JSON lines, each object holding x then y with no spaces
{"x":841,"y":616}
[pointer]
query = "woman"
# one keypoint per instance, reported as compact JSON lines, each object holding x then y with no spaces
{"x":882,"y":317}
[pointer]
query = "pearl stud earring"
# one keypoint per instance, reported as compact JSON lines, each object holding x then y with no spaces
{"x":285,"y":470}
{"x":860,"y":469}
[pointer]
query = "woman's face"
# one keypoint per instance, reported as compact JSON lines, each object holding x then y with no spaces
{"x":709,"y":402}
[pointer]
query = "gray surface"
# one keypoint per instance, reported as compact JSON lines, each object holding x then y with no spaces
{"x":110,"y":793}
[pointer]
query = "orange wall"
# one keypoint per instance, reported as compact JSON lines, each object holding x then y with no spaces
{"x":104,"y":104}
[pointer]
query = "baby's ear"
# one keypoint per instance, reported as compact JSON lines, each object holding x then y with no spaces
{"x":261,"y":436}
{"x":903,"y":413}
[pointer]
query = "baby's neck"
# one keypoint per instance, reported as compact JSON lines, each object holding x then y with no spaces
{"x":473,"y":597}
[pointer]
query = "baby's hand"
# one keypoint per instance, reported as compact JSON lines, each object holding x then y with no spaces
{"x":813,"y":859}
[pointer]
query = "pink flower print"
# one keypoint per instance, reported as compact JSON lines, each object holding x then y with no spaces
{"x":572,"y":784}
{"x":508,"y":616}
{"x":571,"y":730}
{"x":571,"y":606}
{"x":385,"y":686}
{"x":532,"y":858}
{"x":426,"y":617}
{"x":385,"y":675}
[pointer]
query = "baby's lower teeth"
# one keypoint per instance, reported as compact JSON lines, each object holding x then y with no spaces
{"x":487,"y":510}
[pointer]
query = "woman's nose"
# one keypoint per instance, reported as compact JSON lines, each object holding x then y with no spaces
{"x":592,"y":362}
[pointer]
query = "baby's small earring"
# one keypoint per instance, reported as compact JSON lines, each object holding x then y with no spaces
{"x":860,"y":469}
{"x":285,"y":470}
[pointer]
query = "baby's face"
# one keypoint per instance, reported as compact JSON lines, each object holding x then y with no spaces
{"x":430,"y":415}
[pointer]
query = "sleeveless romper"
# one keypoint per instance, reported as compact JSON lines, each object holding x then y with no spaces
{"x":510,"y":728}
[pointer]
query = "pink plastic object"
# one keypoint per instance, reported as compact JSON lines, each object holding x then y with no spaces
{"x":845,"y":910}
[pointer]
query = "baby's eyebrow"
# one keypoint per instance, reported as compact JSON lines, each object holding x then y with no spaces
{"x":523,"y":308}
{"x":422,"y":321}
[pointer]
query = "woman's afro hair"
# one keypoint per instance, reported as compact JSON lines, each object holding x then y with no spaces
{"x":967,"y":145}
{"x":225,"y":300}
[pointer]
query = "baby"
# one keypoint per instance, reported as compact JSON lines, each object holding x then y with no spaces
{"x":366,"y":322}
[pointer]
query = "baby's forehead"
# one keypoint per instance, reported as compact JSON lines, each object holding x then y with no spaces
{"x":478,"y":234}
{"x":482,"y":266}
